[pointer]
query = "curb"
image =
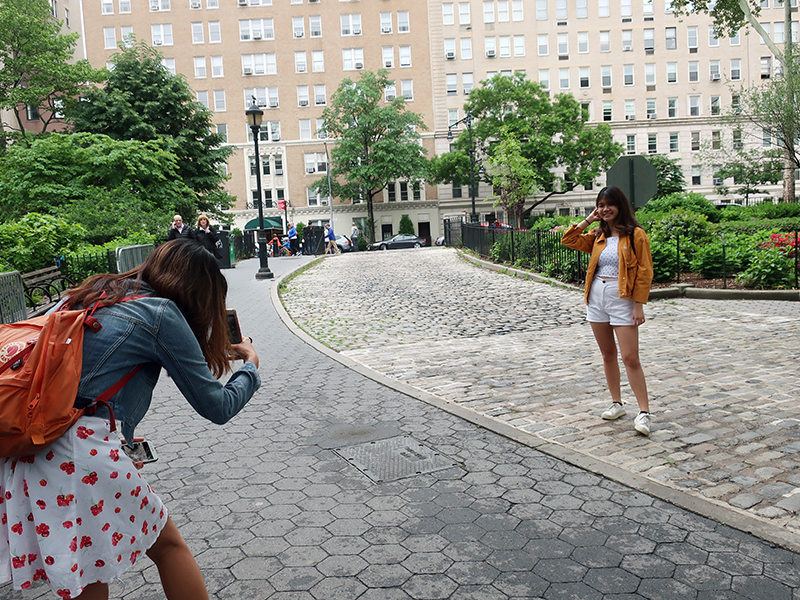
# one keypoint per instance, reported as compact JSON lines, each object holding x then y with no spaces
{"x":705,"y":507}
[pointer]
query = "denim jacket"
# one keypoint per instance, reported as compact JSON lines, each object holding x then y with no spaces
{"x":153,"y":332}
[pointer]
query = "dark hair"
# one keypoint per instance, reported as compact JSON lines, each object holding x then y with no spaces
{"x":183,"y":271}
{"x":626,"y":221}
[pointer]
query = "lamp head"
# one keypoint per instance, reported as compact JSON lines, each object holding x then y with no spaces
{"x":449,"y":135}
{"x":254,"y":115}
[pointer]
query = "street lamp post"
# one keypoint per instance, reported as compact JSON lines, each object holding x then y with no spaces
{"x":254,"y":116}
{"x":468,"y":121}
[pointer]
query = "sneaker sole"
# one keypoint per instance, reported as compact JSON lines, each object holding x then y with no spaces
{"x":613,"y":417}
{"x":642,"y":430}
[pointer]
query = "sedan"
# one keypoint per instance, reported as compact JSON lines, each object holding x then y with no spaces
{"x":401,"y":240}
{"x":344,"y":243}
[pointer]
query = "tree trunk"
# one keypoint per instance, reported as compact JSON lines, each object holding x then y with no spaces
{"x":788,"y":178}
{"x":370,"y":218}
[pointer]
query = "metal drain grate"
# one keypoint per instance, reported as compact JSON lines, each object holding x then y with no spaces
{"x":395,"y":458}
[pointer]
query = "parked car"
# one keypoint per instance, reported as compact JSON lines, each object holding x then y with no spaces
{"x":344,"y":243}
{"x":439,"y":241}
{"x":401,"y":240}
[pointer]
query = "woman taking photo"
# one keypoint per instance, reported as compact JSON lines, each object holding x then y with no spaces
{"x":78,"y":514}
{"x":617,"y":286}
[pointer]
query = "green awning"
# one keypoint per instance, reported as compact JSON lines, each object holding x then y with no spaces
{"x":269,"y":223}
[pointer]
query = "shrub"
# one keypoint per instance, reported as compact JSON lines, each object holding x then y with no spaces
{"x":692,"y":228}
{"x":545,"y":223}
{"x":686,"y":201}
{"x":739,"y":252}
{"x":406,"y":225}
{"x":665,"y":262}
{"x":770,"y":268}
{"x":32,"y":242}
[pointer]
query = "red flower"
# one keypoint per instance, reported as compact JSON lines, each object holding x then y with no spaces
{"x":28,"y":458}
{"x":65,"y":500}
{"x":50,"y":455}
{"x":41,"y":504}
{"x":64,"y":594}
{"x":5,"y":519}
{"x":49,"y":560}
{"x":144,"y":528}
{"x":68,"y":467}
{"x":40,"y":574}
{"x":145,"y":502}
{"x":8,"y":495}
{"x":30,"y":517}
{"x":105,"y":527}
{"x":116,"y":510}
{"x":43,"y":482}
{"x":25,"y":585}
{"x":43,"y":529}
{"x":118,"y":495}
{"x":90,"y":479}
{"x":99,"y":563}
{"x":32,"y":557}
{"x":114,"y":455}
{"x":73,"y":545}
{"x":135,"y":555}
{"x":86,"y":541}
{"x":84,"y":433}
{"x":137,"y":491}
{"x":97,"y":508}
{"x":114,"y":475}
{"x":74,"y":568}
{"x":115,"y":538}
{"x":93,"y":452}
{"x":67,"y":524}
{"x":133,"y":519}
{"x":17,"y":528}
{"x":18,"y":561}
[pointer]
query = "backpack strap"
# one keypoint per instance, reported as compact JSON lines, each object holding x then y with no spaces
{"x":103,"y":398}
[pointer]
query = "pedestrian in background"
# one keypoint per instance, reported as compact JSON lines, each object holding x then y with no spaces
{"x":354,"y":237}
{"x":178,"y":229}
{"x":617,"y":287}
{"x":293,"y":241}
{"x":330,"y":238}
{"x":207,"y":236}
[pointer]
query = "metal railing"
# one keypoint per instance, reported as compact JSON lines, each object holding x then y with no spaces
{"x":12,"y":298}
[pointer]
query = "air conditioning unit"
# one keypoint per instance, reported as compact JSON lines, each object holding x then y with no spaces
{"x":155,"y":6}
{"x":652,"y":116}
{"x":242,"y":2}
{"x":319,"y":101}
{"x":386,"y":30}
{"x":277,"y":138}
{"x":310,"y":170}
{"x":356,"y":32}
{"x":359,"y":65}
{"x":450,"y":55}
{"x":278,"y":171}
{"x":195,"y":5}
{"x":716,"y":77}
{"x":313,"y":1}
{"x":388,"y":64}
{"x":247,"y":71}
{"x":256,"y":35}
{"x":273,"y":104}
{"x":303,"y":102}
{"x":316,"y":33}
{"x":301,"y":68}
{"x":627,"y":48}
{"x":630,"y":117}
{"x":389,"y":97}
{"x":157,"y":42}
{"x":490,"y":54}
{"x":298,"y":34}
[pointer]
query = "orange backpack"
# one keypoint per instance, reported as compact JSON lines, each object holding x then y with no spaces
{"x":40,"y":370}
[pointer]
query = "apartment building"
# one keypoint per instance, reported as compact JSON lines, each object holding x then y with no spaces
{"x":662,"y":83}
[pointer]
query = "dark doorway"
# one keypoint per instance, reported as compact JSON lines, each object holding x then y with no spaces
{"x":386,"y":231}
{"x":424,"y":231}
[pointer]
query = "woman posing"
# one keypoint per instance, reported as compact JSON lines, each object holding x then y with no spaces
{"x":78,"y":514}
{"x":207,"y":236}
{"x":617,"y":288}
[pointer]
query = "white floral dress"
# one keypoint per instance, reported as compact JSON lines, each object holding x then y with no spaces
{"x":76,"y":513}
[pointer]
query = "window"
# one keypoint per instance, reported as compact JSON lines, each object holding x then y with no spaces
{"x":300,"y":64}
{"x":127,"y":35}
{"x":561,"y":10}
{"x":387,"y":54}
{"x":302,"y":95}
{"x":212,"y":3}
{"x":649,"y":40}
{"x":200,"y":67}
{"x":256,"y":29}
{"x":607,"y":105}
{"x":31,"y":112}
{"x":735,"y":40}
{"x":317,"y":61}
{"x":169,"y":64}
{"x":582,"y":9}
{"x":451,"y":84}
{"x":157,"y":5}
{"x":630,"y":110}
{"x":694,"y":106}
{"x":259,"y":64}
{"x":627,"y":40}
{"x":463,"y":13}
{"x":214,"y":32}
{"x":544,"y":79}
{"x":124,"y":7}
{"x":650,"y":74}
{"x":671,"y":42}
{"x":219,"y":100}
{"x":456,"y":191}
{"x":502,"y":11}
{"x":766,"y":67}
{"x":583,"y":74}
{"x":691,"y":37}
{"x":222,"y":130}
{"x":162,"y":34}
{"x":736,"y":104}
{"x":110,"y":37}
{"x":583,"y":42}
{"x":602,"y":8}
{"x":405,"y":56}
{"x":468,"y":82}
{"x":625,"y":8}
{"x":202,"y":98}
{"x":630,"y":144}
{"x":694,"y":71}
{"x":672,"y":107}
{"x":697,"y":172}
{"x":488,"y":12}
{"x":650,"y":103}
{"x":516,"y":10}
{"x":321,"y":129}
{"x":490,"y":46}
{"x":386,"y":22}
{"x":717,"y":180}
{"x":713,"y":67}
{"x":766,"y":138}
{"x":674,"y":143}
{"x":452,"y":116}
{"x":695,"y":141}
{"x":447,"y":14}
{"x":543,"y":48}
{"x":505,"y":46}
{"x":778,"y":32}
{"x":403,"y":191}
{"x":605,"y":41}
{"x":605,"y":76}
{"x":352,"y":58}
{"x":299,"y":27}
{"x":66,"y":18}
{"x":668,"y":7}
{"x":315,"y":26}
{"x":767,"y":28}
{"x":541,"y":10}
{"x":713,"y":40}
{"x":403,"y":22}
{"x":647,"y":7}
{"x":672,"y":72}
{"x":197,"y":33}
{"x":305,"y":129}
{"x":466,"y":48}
{"x":563,"y":79}
{"x":320,"y":94}
{"x":216,"y":67}
{"x":627,"y":71}
{"x":563,"y":45}
{"x":737,"y":139}
{"x":716,"y":140}
{"x":736,"y":69}
{"x":351,"y":24}
{"x":519,"y":45}
{"x":716,"y":108}
{"x":407,"y":88}
{"x":107,"y":7}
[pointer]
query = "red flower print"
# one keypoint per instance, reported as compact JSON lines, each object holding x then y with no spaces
{"x":145,"y":502}
{"x":133,"y":519}
{"x":99,"y":563}
{"x":119,"y":558}
{"x":128,"y":475}
{"x":5,"y":519}
{"x":65,"y":500}
{"x":154,"y":528}
{"x":135,"y":555}
{"x":43,"y":482}
{"x":114,"y":455}
{"x":161,"y":514}
{"x":116,"y":510}
{"x":40,"y":574}
{"x":114,"y":475}
{"x":30,"y":517}
{"x":18,"y":561}
{"x":17,"y":528}
{"x":115,"y":538}
{"x":86,"y":541}
{"x":73,"y":545}
{"x":64,"y":594}
{"x":90,"y":479}
{"x":49,"y":560}
{"x":97,"y":508}
{"x":67,"y":524}
{"x":144,"y":528}
{"x":8,"y":495}
{"x":50,"y":455}
{"x":25,"y":585}
{"x":25,"y":487}
{"x":28,"y":458}
{"x":74,"y":568}
{"x":93,"y":452}
{"x":84,"y":433}
{"x":32,"y":557}
{"x":78,"y":521}
{"x":118,"y":495}
{"x":133,"y":539}
{"x":43,"y":529}
{"x":137,"y":491}
{"x":68,"y":467}
{"x":106,"y":526}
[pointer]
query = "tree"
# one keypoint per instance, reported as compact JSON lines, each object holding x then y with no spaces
{"x":143,"y":101}
{"x":376,"y":142}
{"x":406,"y":225}
{"x":511,"y":174}
{"x":748,"y":168}
{"x":561,"y":148}
{"x":111,"y":187}
{"x":670,"y":174}
{"x":35,"y":65}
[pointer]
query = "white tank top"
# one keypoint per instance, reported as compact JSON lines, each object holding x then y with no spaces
{"x":608,"y":264}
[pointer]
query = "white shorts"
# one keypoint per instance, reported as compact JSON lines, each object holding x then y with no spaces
{"x":605,"y":305}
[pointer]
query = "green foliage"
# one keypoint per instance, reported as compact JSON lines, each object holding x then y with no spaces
{"x":377,"y":142}
{"x":37,"y":63}
{"x":545,"y":223}
{"x":665,"y":259}
{"x":690,"y":201}
{"x":32,"y":242}
{"x":770,"y":268}
{"x":739,"y":252}
{"x":406,"y":225}
{"x":750,"y":169}
{"x":692,"y":228}
{"x":670,"y":175}
{"x":756,"y":225}
{"x":511,"y":174}
{"x":113,"y":188}
{"x":142,"y":101}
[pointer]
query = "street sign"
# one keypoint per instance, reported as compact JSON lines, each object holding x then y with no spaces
{"x":635,"y":176}
{"x":282,"y":204}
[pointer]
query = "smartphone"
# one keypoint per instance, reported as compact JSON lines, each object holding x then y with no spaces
{"x":234,"y":333}
{"x":141,"y":452}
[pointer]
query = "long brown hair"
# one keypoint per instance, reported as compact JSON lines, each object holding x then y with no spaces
{"x":183,"y":271}
{"x":626,"y":222}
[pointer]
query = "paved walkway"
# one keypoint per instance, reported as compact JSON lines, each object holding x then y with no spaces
{"x":275,"y":506}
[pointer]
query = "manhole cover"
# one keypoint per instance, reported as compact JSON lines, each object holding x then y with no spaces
{"x":395,"y":458}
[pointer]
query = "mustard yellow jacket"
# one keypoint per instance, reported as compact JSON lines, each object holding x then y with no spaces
{"x":635,"y":268}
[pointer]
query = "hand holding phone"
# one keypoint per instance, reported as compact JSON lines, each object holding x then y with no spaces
{"x":234,"y":331}
{"x":140,"y":452}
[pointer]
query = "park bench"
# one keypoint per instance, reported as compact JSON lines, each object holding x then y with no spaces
{"x":43,"y":289}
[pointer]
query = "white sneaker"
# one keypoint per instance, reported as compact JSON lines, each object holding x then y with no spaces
{"x":642,"y":423}
{"x":615,"y":411}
